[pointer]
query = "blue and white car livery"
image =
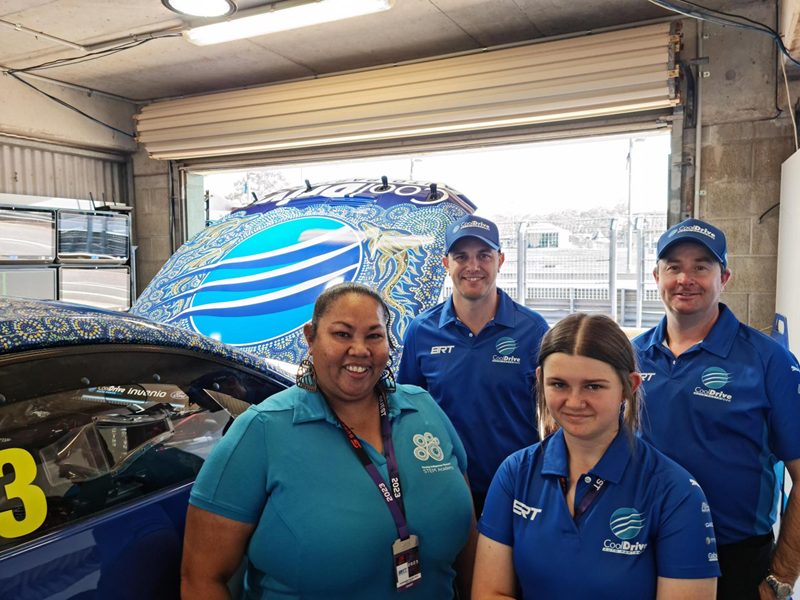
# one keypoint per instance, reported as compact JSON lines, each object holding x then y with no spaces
{"x":250,"y":280}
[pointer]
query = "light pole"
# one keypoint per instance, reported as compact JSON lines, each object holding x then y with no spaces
{"x":629,"y":228}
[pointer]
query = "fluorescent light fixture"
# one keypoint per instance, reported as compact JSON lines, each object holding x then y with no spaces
{"x":282,"y":16}
{"x":201,"y":8}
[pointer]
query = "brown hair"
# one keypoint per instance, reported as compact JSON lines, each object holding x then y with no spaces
{"x":593,"y":336}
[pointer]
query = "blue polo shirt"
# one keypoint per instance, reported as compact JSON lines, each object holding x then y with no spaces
{"x":483,"y":382}
{"x":323,"y":529}
{"x":650,"y":520}
{"x":727,"y":410}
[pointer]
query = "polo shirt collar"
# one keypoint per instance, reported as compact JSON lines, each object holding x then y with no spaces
{"x":504,"y":315}
{"x":611,"y":466}
{"x":311,"y":406}
{"x":718,"y":341}
{"x":722,"y":335}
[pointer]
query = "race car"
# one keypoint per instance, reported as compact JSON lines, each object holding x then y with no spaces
{"x":250,"y":280}
{"x":105,"y":420}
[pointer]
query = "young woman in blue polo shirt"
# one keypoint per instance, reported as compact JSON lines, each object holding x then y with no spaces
{"x":593,"y":511}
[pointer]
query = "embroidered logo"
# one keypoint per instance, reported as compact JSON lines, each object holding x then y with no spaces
{"x":626,"y":523}
{"x":714,"y":379}
{"x":526,"y":512}
{"x":427,"y":446}
{"x":506,"y":345}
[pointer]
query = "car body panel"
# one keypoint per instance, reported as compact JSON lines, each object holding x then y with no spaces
{"x":105,"y":420}
{"x":251,"y":279}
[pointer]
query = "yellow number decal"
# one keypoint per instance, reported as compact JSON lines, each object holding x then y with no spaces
{"x":33,"y":498}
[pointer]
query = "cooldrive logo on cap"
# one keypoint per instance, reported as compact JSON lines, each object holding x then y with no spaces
{"x":693,"y":229}
{"x":478,"y":224}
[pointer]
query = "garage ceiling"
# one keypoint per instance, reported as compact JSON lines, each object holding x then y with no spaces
{"x":413,"y":29}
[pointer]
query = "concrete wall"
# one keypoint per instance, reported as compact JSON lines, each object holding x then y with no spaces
{"x":151,"y":216}
{"x":745,"y":139}
{"x":26,"y":112}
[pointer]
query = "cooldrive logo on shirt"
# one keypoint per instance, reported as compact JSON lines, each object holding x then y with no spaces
{"x":505,"y":348}
{"x":714,"y":379}
{"x":625,"y":524}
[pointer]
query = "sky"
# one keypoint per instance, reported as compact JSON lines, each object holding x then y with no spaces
{"x":530,"y":179}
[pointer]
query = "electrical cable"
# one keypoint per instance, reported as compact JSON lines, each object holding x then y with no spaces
{"x":65,"y":62}
{"x":789,"y":102}
{"x":764,"y":214}
{"x":92,"y":56}
{"x":719,"y":12}
{"x":703,"y":16}
{"x":69,"y":106}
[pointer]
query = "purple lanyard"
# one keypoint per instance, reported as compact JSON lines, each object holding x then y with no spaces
{"x":598,"y":485}
{"x":393,"y":498}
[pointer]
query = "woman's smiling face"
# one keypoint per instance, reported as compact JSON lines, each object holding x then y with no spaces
{"x":350,"y":348}
{"x":583,"y":395}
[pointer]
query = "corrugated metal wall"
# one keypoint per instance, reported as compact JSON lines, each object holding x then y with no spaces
{"x":36,"y":169}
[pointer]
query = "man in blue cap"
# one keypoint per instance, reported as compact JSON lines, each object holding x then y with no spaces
{"x":476,"y":353}
{"x":723,"y":401}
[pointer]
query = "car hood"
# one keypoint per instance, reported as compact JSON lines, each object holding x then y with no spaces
{"x":34,"y":324}
{"x":250,"y":280}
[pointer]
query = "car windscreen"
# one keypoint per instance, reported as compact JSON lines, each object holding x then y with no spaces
{"x":82,"y":432}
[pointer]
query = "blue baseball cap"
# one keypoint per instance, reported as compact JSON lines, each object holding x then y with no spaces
{"x":699,"y":232}
{"x":472,"y":226}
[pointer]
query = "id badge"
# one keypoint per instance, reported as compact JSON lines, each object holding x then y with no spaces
{"x":406,"y":563}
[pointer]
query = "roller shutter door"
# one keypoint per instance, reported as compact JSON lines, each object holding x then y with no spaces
{"x":616,"y":73}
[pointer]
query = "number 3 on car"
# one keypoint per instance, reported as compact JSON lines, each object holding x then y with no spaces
{"x":33,"y":498}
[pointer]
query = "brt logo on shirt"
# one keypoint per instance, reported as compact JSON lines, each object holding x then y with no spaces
{"x":505,"y":348}
{"x":714,"y":378}
{"x":625,"y":524}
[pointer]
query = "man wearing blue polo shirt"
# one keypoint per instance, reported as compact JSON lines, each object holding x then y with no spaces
{"x":476,"y":354}
{"x":723,"y":401}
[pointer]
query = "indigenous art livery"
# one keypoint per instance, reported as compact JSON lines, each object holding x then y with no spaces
{"x":250,"y":279}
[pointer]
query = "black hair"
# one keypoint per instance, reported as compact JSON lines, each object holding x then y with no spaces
{"x":333,"y":293}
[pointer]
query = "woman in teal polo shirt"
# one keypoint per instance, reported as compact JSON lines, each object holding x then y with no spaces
{"x":593,"y":511}
{"x":343,"y":486}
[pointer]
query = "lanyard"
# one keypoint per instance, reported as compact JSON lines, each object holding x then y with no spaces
{"x":393,"y":498}
{"x":598,"y":485}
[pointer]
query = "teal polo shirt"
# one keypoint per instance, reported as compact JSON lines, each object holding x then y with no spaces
{"x":727,"y":410}
{"x":483,"y":382}
{"x":651,"y":520}
{"x":323,"y":530}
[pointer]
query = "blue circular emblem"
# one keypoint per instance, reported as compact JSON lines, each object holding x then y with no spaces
{"x":265,"y":287}
{"x":714,"y":377}
{"x":506,"y":345}
{"x":626,"y":523}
